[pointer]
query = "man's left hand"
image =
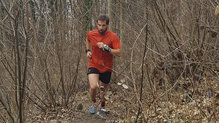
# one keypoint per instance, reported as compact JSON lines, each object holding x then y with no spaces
{"x":100,"y":45}
{"x":104,"y":46}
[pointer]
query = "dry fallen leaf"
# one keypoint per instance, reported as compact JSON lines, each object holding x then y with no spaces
{"x":119,"y":83}
{"x":124,"y":86}
{"x":122,"y":80}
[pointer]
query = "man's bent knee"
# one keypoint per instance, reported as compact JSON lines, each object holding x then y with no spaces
{"x":93,"y":87}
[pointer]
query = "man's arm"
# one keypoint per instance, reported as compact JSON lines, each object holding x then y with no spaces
{"x":87,"y":45}
{"x":88,"y":50}
{"x":116,"y":52}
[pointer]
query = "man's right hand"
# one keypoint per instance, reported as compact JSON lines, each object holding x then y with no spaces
{"x":89,"y":54}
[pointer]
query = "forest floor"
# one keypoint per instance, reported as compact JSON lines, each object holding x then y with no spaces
{"x":78,"y":112}
{"x":122,"y":107}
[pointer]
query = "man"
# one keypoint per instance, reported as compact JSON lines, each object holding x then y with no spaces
{"x":101,"y":45}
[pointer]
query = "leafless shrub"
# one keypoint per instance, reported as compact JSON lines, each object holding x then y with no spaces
{"x":170,"y":53}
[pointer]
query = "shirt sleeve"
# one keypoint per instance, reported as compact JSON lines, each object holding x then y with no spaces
{"x":116,"y":42}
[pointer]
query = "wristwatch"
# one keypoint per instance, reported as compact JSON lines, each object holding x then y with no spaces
{"x":87,"y":50}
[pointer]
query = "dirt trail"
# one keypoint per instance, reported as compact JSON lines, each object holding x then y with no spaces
{"x":87,"y":118}
{"x":79,"y":113}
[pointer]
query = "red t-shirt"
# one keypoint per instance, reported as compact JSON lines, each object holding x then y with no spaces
{"x":102,"y":60}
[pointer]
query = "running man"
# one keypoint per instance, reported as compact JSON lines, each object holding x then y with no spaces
{"x":101,"y":45}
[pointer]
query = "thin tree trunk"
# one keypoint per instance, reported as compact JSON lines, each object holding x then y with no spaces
{"x":122,"y":5}
{"x":110,"y":13}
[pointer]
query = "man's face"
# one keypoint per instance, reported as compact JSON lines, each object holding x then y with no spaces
{"x":102,"y":26}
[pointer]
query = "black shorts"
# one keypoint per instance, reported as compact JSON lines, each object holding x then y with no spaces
{"x":104,"y":77}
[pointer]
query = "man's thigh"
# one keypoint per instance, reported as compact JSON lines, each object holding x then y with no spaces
{"x":93,"y":76}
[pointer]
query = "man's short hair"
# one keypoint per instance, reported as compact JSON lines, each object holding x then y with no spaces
{"x":103,"y":18}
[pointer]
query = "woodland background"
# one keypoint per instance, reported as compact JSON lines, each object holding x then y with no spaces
{"x":169,"y":62}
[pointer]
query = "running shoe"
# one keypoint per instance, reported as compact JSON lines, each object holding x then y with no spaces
{"x":92,"y":109}
{"x":101,"y":112}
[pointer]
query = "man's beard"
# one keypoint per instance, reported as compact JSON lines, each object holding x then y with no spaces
{"x":102,"y":31}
